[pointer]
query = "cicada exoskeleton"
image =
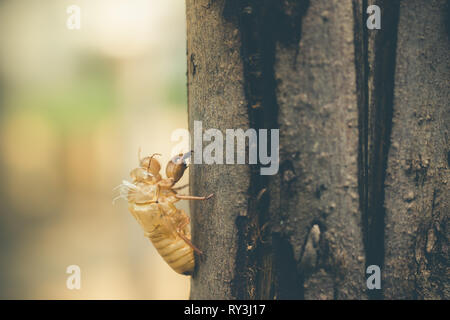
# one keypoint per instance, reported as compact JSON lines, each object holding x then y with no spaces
{"x":151,"y":200}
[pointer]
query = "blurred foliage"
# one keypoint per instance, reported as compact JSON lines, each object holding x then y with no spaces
{"x":75,"y":107}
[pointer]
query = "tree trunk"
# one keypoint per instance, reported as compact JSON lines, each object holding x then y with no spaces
{"x":363,"y":120}
{"x":417,"y":190}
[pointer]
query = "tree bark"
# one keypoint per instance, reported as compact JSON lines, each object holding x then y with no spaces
{"x":215,"y":97}
{"x":363,"y":148}
{"x":417,"y":191}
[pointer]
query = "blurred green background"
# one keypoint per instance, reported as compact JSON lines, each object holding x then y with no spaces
{"x":75,"y":106}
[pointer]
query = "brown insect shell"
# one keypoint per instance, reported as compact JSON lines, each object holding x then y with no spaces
{"x":143,"y":193}
{"x":150,"y":216}
{"x":148,"y":213}
{"x":175,"y":168}
{"x":166,"y":193}
{"x":142,"y":175}
{"x":151,"y":164}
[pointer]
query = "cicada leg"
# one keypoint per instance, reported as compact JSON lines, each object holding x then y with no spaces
{"x":188,"y":197}
{"x":180,"y":228}
{"x":181,"y":187}
{"x":180,"y":224}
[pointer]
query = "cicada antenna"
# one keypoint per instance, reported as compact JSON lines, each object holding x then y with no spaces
{"x":155,"y":154}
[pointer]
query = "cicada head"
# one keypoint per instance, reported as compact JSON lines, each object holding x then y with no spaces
{"x":175,"y":168}
{"x":151,"y":164}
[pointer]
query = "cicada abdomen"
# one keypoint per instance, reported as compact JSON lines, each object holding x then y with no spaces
{"x":168,"y":233}
{"x":151,"y":201}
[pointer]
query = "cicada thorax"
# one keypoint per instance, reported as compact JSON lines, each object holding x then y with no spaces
{"x":142,"y":175}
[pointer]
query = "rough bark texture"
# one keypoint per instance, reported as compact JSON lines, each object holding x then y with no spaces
{"x":417,"y":190}
{"x":216,"y":97}
{"x":357,"y":109}
{"x":318,"y":180}
{"x":376,"y":61}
